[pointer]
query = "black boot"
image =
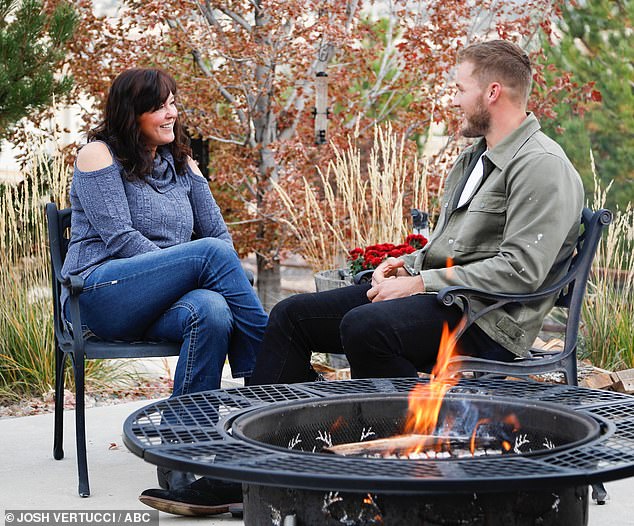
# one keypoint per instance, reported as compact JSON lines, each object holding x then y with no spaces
{"x":205,"y":496}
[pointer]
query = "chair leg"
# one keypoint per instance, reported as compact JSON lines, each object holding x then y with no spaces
{"x":599,"y":494}
{"x":80,"y":428}
{"x":571,"y":372}
{"x":58,"y":433}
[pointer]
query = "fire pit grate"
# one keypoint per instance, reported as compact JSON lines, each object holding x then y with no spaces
{"x":193,"y":433}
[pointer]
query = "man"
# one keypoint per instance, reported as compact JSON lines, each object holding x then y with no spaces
{"x":509,"y":221}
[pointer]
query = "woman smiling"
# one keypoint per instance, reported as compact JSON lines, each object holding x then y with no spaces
{"x":138,"y":200}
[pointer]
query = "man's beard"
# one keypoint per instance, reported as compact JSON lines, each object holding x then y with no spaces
{"x":478,"y":123}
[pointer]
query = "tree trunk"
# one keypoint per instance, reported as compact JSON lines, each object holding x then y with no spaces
{"x":269,"y":282}
{"x":265,"y":131}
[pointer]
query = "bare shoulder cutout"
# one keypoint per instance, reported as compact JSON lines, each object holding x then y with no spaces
{"x":94,"y":156}
{"x":194,"y":166}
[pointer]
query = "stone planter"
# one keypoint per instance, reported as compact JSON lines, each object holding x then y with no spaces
{"x":328,"y":280}
{"x":332,"y":279}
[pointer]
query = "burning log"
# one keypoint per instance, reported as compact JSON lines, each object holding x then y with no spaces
{"x":404,"y":445}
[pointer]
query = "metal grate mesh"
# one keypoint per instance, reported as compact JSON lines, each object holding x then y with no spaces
{"x":219,"y":452}
{"x":268,"y":393}
{"x":615,"y":412}
{"x":626,"y":431}
{"x":378,"y":385}
{"x":194,"y":432}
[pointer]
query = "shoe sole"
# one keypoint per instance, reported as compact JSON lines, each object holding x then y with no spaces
{"x":182,"y":508}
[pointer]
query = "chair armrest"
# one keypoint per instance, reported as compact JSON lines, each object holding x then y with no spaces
{"x":449,"y":295}
{"x":452,"y":295}
{"x":365,"y":276}
{"x":75,"y":284}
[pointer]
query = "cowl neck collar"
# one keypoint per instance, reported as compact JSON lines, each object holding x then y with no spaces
{"x":163,"y":176}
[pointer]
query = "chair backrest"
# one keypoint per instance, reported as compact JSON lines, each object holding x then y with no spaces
{"x":591,"y":227}
{"x":572,"y":296}
{"x":58,"y":238}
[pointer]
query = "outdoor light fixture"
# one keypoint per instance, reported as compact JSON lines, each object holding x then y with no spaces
{"x":320,"y":111}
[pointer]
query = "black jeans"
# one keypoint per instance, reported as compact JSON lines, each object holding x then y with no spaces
{"x":387,"y":339}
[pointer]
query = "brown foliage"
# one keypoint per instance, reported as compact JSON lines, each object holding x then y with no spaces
{"x":246,"y":70}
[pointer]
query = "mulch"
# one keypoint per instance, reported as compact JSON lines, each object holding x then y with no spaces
{"x":161,"y":387}
{"x":138,"y":389}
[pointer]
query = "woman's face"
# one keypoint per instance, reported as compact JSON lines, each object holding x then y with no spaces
{"x":157,"y":126}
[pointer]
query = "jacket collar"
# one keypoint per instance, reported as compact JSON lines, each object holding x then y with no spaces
{"x":504,"y":151}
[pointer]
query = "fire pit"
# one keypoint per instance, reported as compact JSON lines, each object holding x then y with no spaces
{"x":516,"y":453}
{"x":345,"y":425}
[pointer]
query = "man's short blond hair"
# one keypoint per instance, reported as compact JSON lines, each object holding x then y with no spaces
{"x":501,"y":61}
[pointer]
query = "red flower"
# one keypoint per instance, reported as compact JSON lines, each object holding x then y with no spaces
{"x":372,"y":256}
{"x":416,"y":240}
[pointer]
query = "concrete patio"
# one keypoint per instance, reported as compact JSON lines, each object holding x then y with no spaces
{"x":31,"y":479}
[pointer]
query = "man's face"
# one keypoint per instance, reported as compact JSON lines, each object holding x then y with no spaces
{"x":470,"y":98}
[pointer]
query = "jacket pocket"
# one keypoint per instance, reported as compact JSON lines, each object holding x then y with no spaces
{"x":483,"y":224}
{"x":511,"y":329}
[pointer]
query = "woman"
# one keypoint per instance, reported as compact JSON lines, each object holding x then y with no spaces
{"x":138,"y":199}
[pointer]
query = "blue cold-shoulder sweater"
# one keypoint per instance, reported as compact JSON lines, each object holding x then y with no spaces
{"x":116,"y":218}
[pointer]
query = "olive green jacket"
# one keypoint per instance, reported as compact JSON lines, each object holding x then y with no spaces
{"x":516,"y":234}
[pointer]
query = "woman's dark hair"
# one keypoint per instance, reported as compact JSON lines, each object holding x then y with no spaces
{"x":134,"y":92}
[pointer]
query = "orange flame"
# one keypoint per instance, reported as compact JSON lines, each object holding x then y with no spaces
{"x":337,"y":424}
{"x":425,"y":400}
{"x":473,"y":434}
{"x":448,"y":264}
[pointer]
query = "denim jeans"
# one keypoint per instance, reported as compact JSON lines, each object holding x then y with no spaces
{"x":386,"y":339}
{"x":195,"y":293}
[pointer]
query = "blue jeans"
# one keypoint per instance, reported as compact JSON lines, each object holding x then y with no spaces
{"x":195,"y":293}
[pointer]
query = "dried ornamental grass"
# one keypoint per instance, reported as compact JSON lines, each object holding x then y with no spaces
{"x":607,"y":333}
{"x":26,"y":315}
{"x":349,"y":208}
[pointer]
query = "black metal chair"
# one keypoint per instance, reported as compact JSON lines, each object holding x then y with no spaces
{"x":73,"y":344}
{"x":570,"y":290}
